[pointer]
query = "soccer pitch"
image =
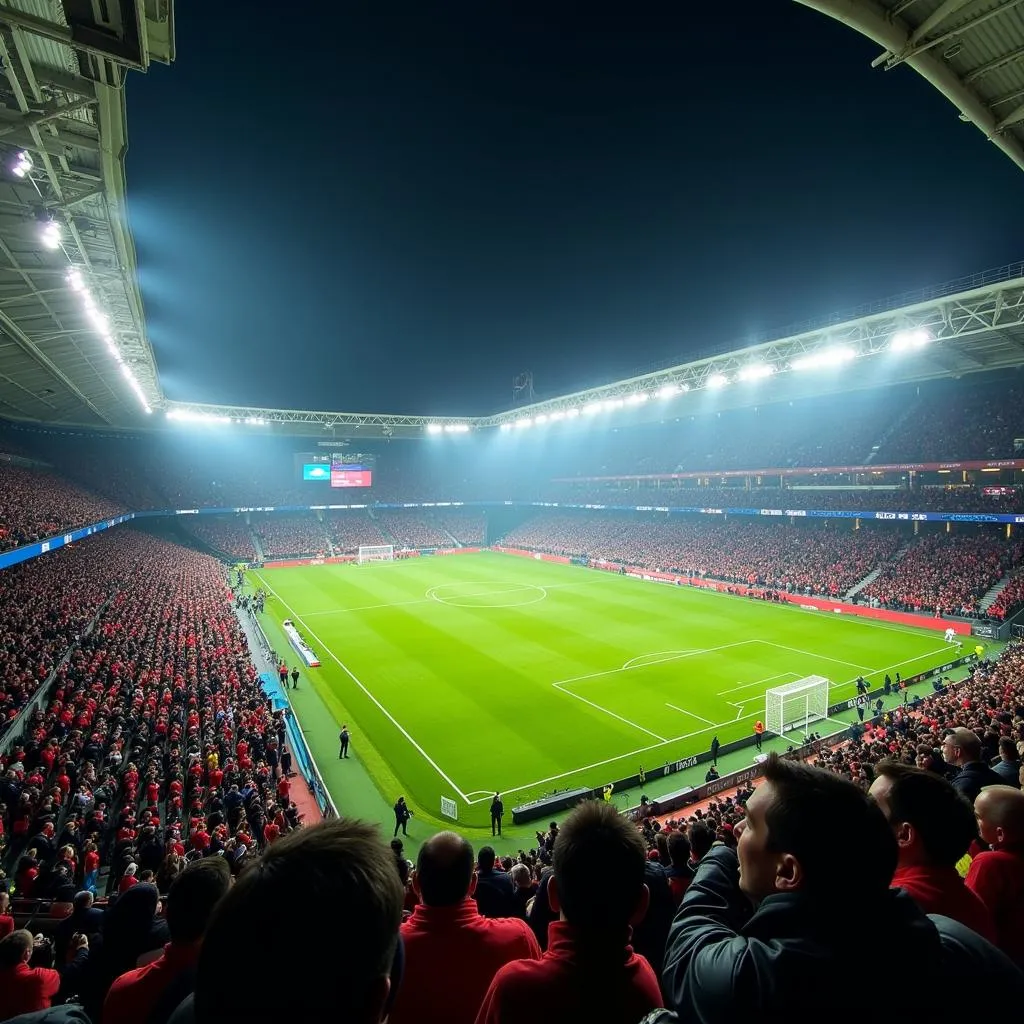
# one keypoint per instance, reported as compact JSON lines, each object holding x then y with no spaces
{"x":474,"y":673}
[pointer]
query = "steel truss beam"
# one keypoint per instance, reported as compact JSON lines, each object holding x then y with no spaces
{"x":967,"y":332}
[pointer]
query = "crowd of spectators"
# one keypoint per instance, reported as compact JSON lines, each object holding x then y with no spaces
{"x":351,"y":530}
{"x":1008,"y":600}
{"x":229,"y":535}
{"x":812,"y":558}
{"x":281,"y":534}
{"x":945,"y":574}
{"x":411,"y":529}
{"x":157,"y":746}
{"x":465,"y":525}
{"x":35,"y":504}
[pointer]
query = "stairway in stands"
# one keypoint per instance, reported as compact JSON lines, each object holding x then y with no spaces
{"x":873,"y":575}
{"x":260,"y":556}
{"x":995,"y":590}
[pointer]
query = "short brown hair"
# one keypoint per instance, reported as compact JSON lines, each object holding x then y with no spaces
{"x":599,"y":860}
{"x":335,"y":886}
{"x":839,"y":836}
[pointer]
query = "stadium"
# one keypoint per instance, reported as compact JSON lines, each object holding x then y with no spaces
{"x":744,"y":630}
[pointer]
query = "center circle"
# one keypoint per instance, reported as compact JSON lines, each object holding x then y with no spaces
{"x":486,"y":594}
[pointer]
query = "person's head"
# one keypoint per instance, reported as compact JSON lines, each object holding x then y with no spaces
{"x":599,"y":864}
{"x":193,"y":896}
{"x":809,"y":830}
{"x":444,"y":870}
{"x":932,"y":822}
{"x":999,"y":811}
{"x":5,"y":902}
{"x":334,"y":884}
{"x":1007,"y":749}
{"x":700,"y":838}
{"x":485,"y":858}
{"x":961,"y":746}
{"x":678,"y":849}
{"x":83,"y":900}
{"x":16,"y":948}
{"x":521,"y":877}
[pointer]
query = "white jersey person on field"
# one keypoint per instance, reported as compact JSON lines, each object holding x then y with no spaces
{"x":950,"y":635}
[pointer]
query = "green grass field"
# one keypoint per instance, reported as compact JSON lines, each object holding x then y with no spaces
{"x":468,"y":674}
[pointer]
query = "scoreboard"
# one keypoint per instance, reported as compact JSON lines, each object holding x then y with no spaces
{"x":349,"y":469}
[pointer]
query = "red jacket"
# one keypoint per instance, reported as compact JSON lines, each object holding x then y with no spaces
{"x":435,"y":938}
{"x":25,"y":989}
{"x":571,"y":983}
{"x":939,"y":890}
{"x":996,"y":877}
{"x":135,"y":995}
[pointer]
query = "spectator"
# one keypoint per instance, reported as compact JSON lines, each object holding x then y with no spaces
{"x":680,"y":874}
{"x":962,"y":749}
{"x":811,"y":848}
{"x":335,"y":885}
{"x":1008,"y":765}
{"x":494,"y":894}
{"x":84,"y":919}
{"x":589,"y":972}
{"x":150,"y":994}
{"x":25,"y":989}
{"x":524,"y":886}
{"x":6,"y":918}
{"x":997,"y":875}
{"x":934,"y":827}
{"x":447,"y":928}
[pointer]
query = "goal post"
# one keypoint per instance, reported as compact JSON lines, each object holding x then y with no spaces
{"x":796,"y":705}
{"x":376,"y":553}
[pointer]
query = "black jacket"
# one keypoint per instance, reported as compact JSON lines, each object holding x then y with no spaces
{"x":972,"y":777}
{"x":495,"y":894}
{"x":725,"y":962}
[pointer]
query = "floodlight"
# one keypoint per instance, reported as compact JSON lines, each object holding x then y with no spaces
{"x":524,"y":422}
{"x":540,"y":418}
{"x":434,"y":428}
{"x":903,"y":341}
{"x":75,"y":280}
{"x":668,"y":391}
{"x":22,"y":165}
{"x":591,"y":407}
{"x":50,"y":234}
{"x":188,"y":416}
{"x":613,"y":403}
{"x":572,"y":413}
{"x":558,"y":414}
{"x":503,"y":426}
{"x":824,"y":358}
{"x":255,"y":421}
{"x":717,"y":380}
{"x":637,"y":398}
{"x":756,"y":371}
{"x":456,"y":428}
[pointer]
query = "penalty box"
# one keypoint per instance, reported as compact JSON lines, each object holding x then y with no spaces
{"x":669,"y":695}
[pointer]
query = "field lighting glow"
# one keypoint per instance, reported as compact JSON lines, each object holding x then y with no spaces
{"x":824,"y":358}
{"x":717,"y":380}
{"x":637,"y":398}
{"x":591,"y":407}
{"x":756,"y":371}
{"x":904,"y":341}
{"x":523,"y":423}
{"x":434,"y":428}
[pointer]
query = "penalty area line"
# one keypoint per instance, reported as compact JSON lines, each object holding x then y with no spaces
{"x":390,"y":717}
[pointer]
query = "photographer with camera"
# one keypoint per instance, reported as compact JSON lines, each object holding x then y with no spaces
{"x":25,"y":989}
{"x":402,"y":816}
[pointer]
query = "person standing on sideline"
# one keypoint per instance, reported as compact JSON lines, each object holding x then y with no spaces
{"x":295,"y":678}
{"x":715,"y":745}
{"x":343,"y":739}
{"x":282,"y":674}
{"x":497,"y":810}
{"x":286,"y":762}
{"x":402,"y":816}
{"x":758,"y":733}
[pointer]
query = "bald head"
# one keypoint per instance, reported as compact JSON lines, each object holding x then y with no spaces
{"x":444,"y":870}
{"x":1000,"y":814}
{"x":961,"y":746}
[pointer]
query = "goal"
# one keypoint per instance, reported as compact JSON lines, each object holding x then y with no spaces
{"x":796,"y":705}
{"x":376,"y":553}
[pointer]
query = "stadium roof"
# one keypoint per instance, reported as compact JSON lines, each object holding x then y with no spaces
{"x":72,"y":351}
{"x":943,"y":333}
{"x":972,"y":51}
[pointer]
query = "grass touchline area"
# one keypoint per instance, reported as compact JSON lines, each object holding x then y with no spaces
{"x":462,"y":676}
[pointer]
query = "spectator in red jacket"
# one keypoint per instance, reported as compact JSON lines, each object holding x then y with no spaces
{"x":150,"y":994}
{"x":25,"y":989}
{"x":6,"y":918}
{"x":934,"y":827}
{"x":589,"y":971}
{"x":447,"y":928}
{"x":997,"y":875}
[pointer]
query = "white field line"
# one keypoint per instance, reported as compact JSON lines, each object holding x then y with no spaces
{"x":760,"y":682}
{"x":391,"y":718}
{"x":659,"y":657}
{"x":819,"y":657}
{"x":683,"y":711}
{"x":433,"y":600}
{"x":598,"y":707}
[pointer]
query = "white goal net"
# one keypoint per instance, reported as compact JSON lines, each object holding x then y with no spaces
{"x":376,"y":553}
{"x":794,"y":706}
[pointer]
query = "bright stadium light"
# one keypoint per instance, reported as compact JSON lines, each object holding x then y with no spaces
{"x":756,"y":371}
{"x":524,"y":422}
{"x":255,"y":421}
{"x":836,"y":355}
{"x":75,"y":280}
{"x":904,"y":341}
{"x":22,"y":165}
{"x":541,"y":417}
{"x":456,"y":428}
{"x":613,"y":403}
{"x":558,"y":414}
{"x":504,"y":427}
{"x":188,"y":416}
{"x":572,"y":413}
{"x":717,"y":380}
{"x":591,"y":407}
{"x":434,"y":428}
{"x":50,"y":234}
{"x":637,"y":398}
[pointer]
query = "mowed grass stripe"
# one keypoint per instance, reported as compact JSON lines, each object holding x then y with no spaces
{"x":473,"y":685}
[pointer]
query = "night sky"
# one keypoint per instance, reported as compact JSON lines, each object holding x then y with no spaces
{"x":355,"y":210}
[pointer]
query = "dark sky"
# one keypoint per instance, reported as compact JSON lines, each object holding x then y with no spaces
{"x":355,"y":210}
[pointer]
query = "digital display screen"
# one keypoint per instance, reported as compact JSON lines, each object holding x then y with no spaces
{"x":316,"y":471}
{"x":998,"y":492}
{"x":351,"y":477}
